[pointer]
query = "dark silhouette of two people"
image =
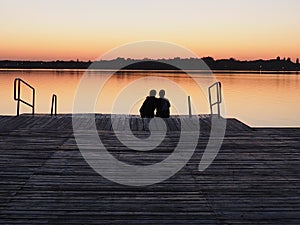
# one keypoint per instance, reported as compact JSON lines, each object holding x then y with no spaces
{"x":151,"y":103}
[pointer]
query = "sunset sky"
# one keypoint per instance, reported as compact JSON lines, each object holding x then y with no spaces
{"x":86,"y":29}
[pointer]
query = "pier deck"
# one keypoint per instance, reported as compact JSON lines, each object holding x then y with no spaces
{"x":255,"y":177}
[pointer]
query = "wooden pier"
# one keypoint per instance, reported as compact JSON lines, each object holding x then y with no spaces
{"x":255,"y":178}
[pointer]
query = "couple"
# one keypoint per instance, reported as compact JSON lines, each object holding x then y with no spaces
{"x":151,"y":103}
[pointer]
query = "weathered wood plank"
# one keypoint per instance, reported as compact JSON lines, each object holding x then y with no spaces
{"x":44,"y":178}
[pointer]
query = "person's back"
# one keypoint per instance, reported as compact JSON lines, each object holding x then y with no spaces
{"x":163,"y":106}
{"x":149,"y":105}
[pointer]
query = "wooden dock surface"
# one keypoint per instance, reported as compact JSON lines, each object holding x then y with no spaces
{"x":255,"y":178}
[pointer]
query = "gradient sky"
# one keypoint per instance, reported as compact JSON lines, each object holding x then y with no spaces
{"x":85,"y":29}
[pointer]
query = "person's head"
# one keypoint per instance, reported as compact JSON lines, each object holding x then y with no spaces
{"x":152,"y":93}
{"x":162,"y":93}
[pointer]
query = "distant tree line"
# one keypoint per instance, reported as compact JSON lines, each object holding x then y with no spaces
{"x":278,"y":64}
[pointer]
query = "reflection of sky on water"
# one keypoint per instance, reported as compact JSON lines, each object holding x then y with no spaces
{"x":258,"y":100}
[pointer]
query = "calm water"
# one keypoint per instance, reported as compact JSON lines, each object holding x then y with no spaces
{"x":258,"y":100}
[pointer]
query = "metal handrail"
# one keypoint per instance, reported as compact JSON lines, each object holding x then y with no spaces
{"x":54,"y":105}
{"x":17,"y":95}
{"x":219,"y":97}
{"x":189,"y":106}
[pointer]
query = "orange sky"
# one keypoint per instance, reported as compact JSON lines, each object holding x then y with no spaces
{"x":50,"y":30}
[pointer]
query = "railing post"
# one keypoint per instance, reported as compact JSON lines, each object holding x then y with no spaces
{"x":33,"y":101}
{"x":17,"y":90}
{"x":54,"y":105}
{"x":189,"y":106}
{"x":219,"y":98}
{"x":18,"y":103}
{"x":210,"y":101}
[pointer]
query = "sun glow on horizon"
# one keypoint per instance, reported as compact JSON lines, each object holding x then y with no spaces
{"x":85,"y":30}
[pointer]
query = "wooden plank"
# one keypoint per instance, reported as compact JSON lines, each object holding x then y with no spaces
{"x":44,"y":179}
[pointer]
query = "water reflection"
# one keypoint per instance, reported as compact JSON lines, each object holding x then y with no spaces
{"x":256,"y":99}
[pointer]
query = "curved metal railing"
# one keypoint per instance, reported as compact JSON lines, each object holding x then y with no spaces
{"x":17,"y":95}
{"x":218,"y":100}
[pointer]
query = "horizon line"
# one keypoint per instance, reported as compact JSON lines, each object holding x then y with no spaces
{"x":151,"y":59}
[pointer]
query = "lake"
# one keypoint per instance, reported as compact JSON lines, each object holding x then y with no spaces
{"x":259,"y":100}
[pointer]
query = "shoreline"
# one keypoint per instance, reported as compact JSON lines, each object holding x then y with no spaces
{"x":160,"y":64}
{"x":290,"y":72}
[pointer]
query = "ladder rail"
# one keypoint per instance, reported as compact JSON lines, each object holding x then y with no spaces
{"x":219,"y":97}
{"x":54,"y":105}
{"x":17,"y":95}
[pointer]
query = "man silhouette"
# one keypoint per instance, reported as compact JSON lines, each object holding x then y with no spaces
{"x":149,"y":105}
{"x":163,"y":105}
